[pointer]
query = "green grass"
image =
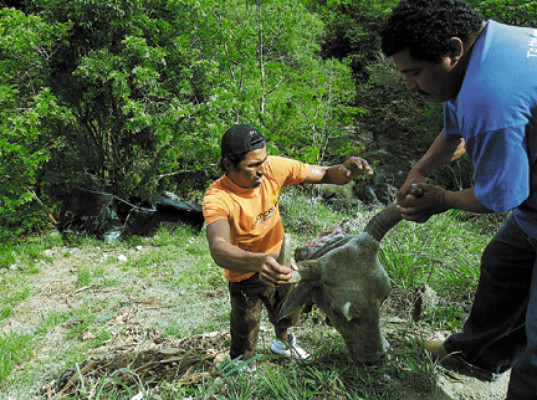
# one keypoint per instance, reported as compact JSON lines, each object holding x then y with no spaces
{"x":169,"y":287}
{"x":14,"y":348}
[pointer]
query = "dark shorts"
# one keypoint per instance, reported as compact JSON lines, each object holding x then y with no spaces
{"x":247,"y":298}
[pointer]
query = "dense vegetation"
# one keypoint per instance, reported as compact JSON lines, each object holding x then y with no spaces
{"x":132,"y":97}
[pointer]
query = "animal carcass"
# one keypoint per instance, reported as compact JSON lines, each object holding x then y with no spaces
{"x":345,"y":279}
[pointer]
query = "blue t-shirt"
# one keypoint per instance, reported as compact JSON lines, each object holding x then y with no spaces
{"x":496,"y":113}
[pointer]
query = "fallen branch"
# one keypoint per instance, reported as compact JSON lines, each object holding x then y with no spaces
{"x":75,"y":292}
{"x":74,"y":379}
{"x":44,"y":208}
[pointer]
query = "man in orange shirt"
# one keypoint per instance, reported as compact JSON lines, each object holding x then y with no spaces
{"x":245,"y":232}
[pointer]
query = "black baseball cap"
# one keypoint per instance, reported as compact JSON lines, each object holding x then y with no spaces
{"x":240,"y":139}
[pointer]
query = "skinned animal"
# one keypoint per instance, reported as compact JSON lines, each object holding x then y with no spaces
{"x":345,"y":279}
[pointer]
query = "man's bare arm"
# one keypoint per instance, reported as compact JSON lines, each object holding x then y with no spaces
{"x":235,"y":259}
{"x":339,"y":174}
{"x":440,"y":153}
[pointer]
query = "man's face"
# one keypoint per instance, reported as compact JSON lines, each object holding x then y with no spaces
{"x":250,"y":171}
{"x":436,"y":82}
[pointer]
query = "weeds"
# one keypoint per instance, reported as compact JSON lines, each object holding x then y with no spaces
{"x":170,"y":285}
{"x":14,"y":348}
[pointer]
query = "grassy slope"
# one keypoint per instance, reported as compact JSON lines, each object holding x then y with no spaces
{"x":61,"y":300}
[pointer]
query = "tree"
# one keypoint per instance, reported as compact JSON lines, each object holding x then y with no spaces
{"x":512,"y":12}
{"x":130,"y":96}
{"x":153,"y":85}
{"x":27,"y":109}
{"x":271,"y":75}
{"x":129,"y":76}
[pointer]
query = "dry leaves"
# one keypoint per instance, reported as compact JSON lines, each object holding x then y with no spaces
{"x":144,"y":357}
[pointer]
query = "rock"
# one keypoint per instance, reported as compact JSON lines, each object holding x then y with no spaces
{"x":68,"y":252}
{"x":121,"y":258}
{"x":390,"y":174}
{"x":55,"y":234}
{"x":49,"y":253}
{"x":461,"y":387}
{"x":340,"y":195}
{"x":425,"y":301}
{"x":219,"y":359}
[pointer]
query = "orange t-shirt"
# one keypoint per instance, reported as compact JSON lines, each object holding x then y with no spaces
{"x":253,"y":214}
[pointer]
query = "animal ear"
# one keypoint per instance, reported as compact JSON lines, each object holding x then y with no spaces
{"x":298,"y":297}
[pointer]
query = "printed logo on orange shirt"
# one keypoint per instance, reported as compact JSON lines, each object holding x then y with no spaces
{"x":268,"y":213}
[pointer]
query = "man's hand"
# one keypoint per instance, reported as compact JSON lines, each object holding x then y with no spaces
{"x":355,"y":166}
{"x":420,"y":209}
{"x":413,"y":178}
{"x":272,"y":273}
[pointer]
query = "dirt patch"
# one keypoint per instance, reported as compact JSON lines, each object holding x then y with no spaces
{"x":51,"y":286}
{"x":459,"y":387}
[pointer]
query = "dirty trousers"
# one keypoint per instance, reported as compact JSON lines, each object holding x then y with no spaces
{"x":501,"y":330}
{"x":247,"y":298}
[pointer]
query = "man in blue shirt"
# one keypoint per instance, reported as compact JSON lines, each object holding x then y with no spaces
{"x":486,"y":75}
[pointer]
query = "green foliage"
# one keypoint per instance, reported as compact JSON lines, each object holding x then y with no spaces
{"x":352,"y":29}
{"x":153,"y":93}
{"x":512,"y":12}
{"x":14,"y":348}
{"x":415,"y":254}
{"x":7,"y":256}
{"x":305,"y":216}
{"x":132,"y":96}
{"x":127,"y":77}
{"x":318,"y":114}
{"x":28,"y":109}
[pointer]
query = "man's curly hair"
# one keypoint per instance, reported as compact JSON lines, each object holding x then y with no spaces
{"x":424,"y":27}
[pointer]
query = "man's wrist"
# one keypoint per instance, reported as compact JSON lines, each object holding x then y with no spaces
{"x":446,"y":200}
{"x":336,"y":175}
{"x":417,"y":174}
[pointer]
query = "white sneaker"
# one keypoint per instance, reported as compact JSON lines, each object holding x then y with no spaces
{"x":291,"y":349}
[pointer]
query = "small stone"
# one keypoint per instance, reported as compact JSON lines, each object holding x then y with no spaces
{"x":139,"y":248}
{"x":49,"y":253}
{"x":219,"y":359}
{"x":122,"y":258}
{"x":425,"y":301}
{"x":55,"y":234}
